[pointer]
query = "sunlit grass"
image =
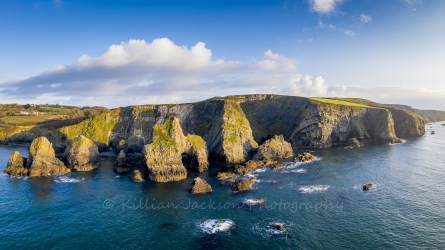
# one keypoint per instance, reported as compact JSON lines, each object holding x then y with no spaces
{"x":338,"y":102}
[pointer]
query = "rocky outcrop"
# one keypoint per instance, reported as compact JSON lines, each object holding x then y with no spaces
{"x":42,"y":160}
{"x":199,"y":186}
{"x":268,"y":153}
{"x":82,"y":154}
{"x":120,"y":165}
{"x":353,"y":142}
{"x":16,"y":165}
{"x":277,"y":226}
{"x":163,"y":156}
{"x":198,"y":153}
{"x":242,"y":185}
{"x":136,"y":176}
{"x":366,"y":187}
{"x":303,"y":157}
{"x":274,"y":149}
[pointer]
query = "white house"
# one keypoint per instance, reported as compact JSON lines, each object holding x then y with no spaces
{"x":24,"y":113}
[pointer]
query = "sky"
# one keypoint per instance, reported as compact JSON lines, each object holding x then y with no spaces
{"x":120,"y":53}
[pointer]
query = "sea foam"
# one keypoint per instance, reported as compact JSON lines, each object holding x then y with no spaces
{"x":65,"y":179}
{"x":313,"y":189}
{"x":214,"y":226}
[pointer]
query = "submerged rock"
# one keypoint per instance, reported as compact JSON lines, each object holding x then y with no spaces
{"x":225,"y":175}
{"x":242,"y":185}
{"x":42,"y":160}
{"x":136,"y":176}
{"x":120,"y":165}
{"x":82,"y":154}
{"x":366,"y":187}
{"x":228,"y":182}
{"x":199,"y":186}
{"x":16,"y":165}
{"x":303,"y":157}
{"x":276,"y":166}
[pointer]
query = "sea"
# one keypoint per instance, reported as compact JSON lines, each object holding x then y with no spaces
{"x":321,"y":204}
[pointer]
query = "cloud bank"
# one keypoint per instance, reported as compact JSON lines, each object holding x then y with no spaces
{"x":137,"y":72}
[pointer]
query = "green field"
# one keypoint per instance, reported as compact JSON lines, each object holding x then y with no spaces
{"x":338,"y":102}
{"x":26,"y":120}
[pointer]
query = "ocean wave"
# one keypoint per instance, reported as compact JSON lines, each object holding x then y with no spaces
{"x":313,"y":189}
{"x":300,"y":171}
{"x":214,"y":226}
{"x":69,"y":180}
{"x":394,"y":144}
{"x":297,"y":164}
{"x":251,"y":202}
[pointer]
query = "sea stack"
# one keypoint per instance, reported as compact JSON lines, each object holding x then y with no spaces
{"x":199,"y":186}
{"x":42,"y":160}
{"x":82,"y":154}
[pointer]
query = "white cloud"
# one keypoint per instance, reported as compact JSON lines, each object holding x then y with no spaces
{"x":136,"y":72}
{"x":325,"y":25}
{"x":305,"y":86}
{"x":324,"y":6}
{"x":365,"y":19}
{"x":349,"y":32}
{"x":310,"y":39}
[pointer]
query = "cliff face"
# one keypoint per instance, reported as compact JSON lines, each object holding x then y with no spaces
{"x":428,"y":115}
{"x":231,"y":127}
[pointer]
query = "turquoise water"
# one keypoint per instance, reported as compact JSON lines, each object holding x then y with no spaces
{"x":405,"y":208}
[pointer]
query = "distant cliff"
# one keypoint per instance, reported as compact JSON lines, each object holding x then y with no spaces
{"x":428,"y":115}
{"x":233,"y":126}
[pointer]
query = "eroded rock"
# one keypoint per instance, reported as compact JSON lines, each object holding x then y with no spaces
{"x":198,"y":153}
{"x":136,"y":176}
{"x":303,"y":157}
{"x":16,"y":165}
{"x":120,"y":165}
{"x":242,"y":185}
{"x":366,"y":187}
{"x":42,"y":161}
{"x":277,"y":226}
{"x":163,"y":156}
{"x":199,"y":186}
{"x":274,"y":149}
{"x":82,"y":154}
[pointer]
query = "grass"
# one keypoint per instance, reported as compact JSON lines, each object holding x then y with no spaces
{"x":26,"y":120}
{"x":339,"y":102}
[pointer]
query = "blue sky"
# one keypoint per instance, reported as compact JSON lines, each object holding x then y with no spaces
{"x":119,"y":53}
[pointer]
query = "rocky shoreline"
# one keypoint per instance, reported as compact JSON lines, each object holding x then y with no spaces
{"x":241,"y":134}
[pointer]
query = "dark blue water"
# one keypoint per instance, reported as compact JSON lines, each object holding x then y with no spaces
{"x":405,"y":208}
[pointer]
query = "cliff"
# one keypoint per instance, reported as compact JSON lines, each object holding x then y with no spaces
{"x":230,"y":128}
{"x":428,"y":115}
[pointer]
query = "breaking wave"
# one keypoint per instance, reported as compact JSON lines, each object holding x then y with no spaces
{"x":214,"y":226}
{"x":69,"y":180}
{"x":313,"y":189}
